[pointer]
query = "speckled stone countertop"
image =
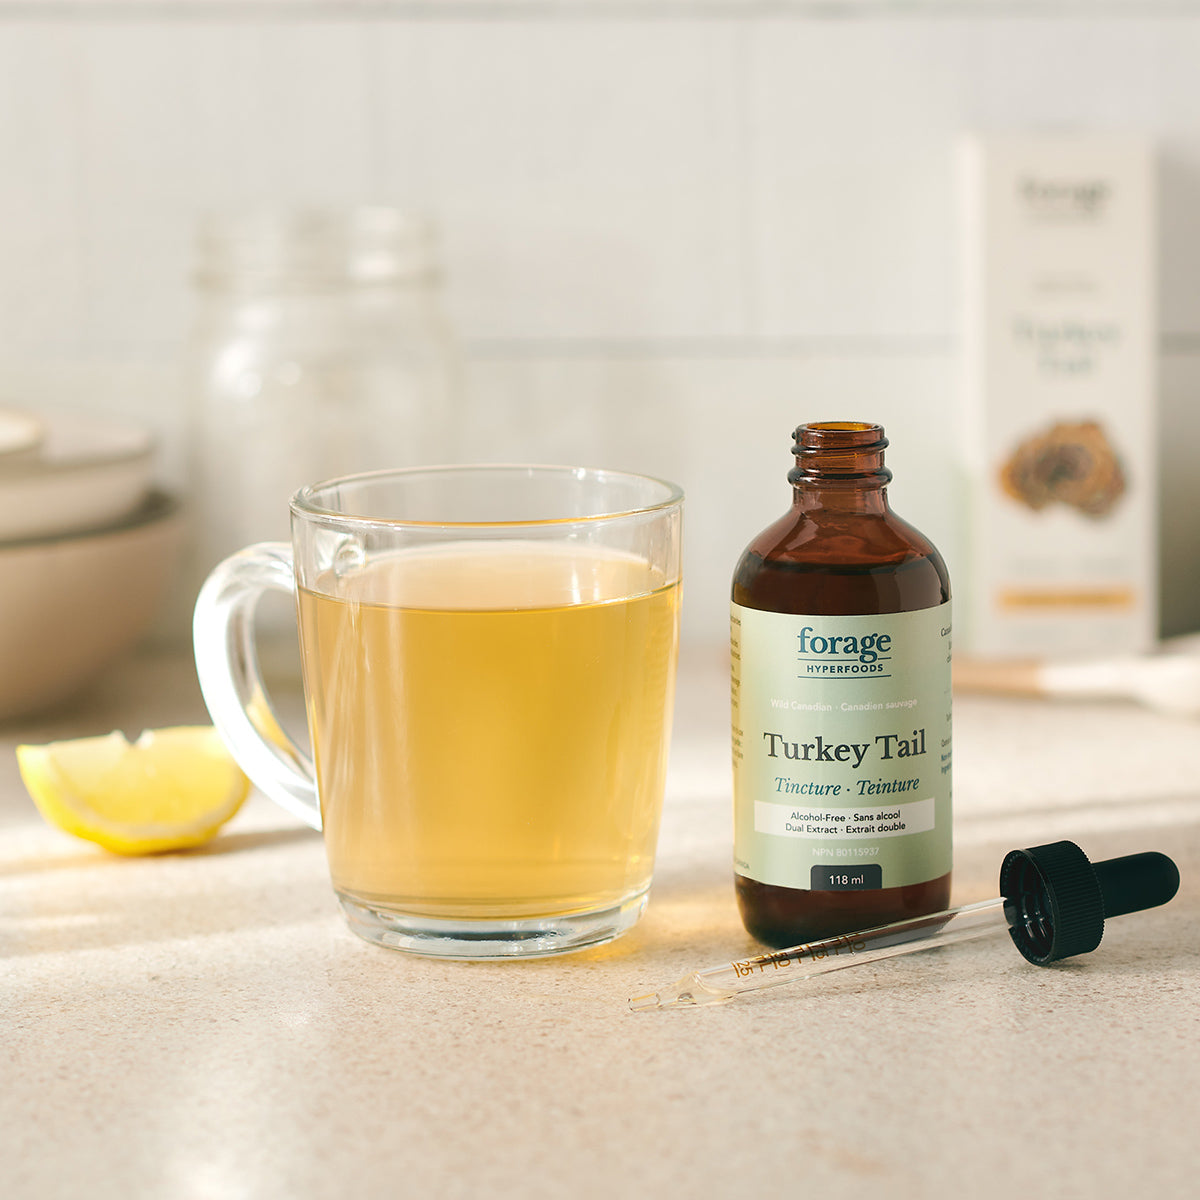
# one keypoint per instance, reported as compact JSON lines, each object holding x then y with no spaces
{"x":203,"y":1025}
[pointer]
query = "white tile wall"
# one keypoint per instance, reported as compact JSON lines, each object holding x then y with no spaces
{"x":671,"y":231}
{"x":851,"y":128}
{"x":589,"y":174}
{"x":41,"y":198}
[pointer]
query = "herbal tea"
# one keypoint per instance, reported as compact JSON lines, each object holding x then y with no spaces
{"x":490,"y":724}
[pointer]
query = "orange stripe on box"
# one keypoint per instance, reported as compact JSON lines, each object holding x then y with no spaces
{"x":1076,"y":597}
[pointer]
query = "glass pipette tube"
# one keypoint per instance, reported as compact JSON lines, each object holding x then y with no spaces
{"x":719,"y":984}
{"x":1053,"y":905}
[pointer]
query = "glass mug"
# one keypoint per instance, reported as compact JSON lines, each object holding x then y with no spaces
{"x":489,"y":668}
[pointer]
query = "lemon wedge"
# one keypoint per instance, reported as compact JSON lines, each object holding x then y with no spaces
{"x":170,"y":789}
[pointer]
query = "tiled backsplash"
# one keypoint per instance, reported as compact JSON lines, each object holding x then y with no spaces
{"x":671,"y":231}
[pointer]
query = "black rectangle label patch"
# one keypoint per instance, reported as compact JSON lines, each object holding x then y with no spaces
{"x":862,"y":878}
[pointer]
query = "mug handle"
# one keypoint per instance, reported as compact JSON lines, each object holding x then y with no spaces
{"x":231,"y":682}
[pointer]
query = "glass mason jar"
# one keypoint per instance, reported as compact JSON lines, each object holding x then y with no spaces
{"x":318,"y":350}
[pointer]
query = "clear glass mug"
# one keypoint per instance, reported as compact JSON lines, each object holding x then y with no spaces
{"x":489,"y":662}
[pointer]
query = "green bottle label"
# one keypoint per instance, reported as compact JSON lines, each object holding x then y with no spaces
{"x":841,"y":748}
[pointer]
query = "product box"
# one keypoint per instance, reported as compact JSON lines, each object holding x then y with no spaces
{"x":1061,"y":363}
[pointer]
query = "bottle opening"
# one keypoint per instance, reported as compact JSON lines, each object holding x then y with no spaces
{"x":839,"y":435}
{"x":849,"y":451}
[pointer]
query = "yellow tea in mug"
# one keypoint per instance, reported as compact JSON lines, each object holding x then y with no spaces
{"x":490,"y":724}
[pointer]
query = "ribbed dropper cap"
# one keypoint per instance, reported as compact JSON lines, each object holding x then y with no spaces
{"x":1056,"y":899}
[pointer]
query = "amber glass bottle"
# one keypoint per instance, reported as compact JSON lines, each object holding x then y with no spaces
{"x":841,"y":704}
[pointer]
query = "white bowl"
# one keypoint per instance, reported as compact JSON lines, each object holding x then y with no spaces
{"x":87,"y":473}
{"x":70,"y":605}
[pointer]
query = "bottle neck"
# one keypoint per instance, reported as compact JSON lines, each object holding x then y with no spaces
{"x":839,"y":467}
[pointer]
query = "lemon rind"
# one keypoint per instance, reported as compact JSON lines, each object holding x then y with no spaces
{"x":43,"y":775}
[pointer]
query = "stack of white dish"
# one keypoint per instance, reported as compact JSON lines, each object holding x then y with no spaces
{"x":87,"y":546}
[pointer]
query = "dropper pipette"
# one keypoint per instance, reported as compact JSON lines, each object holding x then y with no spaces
{"x":1053,"y":904}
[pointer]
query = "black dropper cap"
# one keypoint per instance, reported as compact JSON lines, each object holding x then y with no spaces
{"x":1056,"y":900}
